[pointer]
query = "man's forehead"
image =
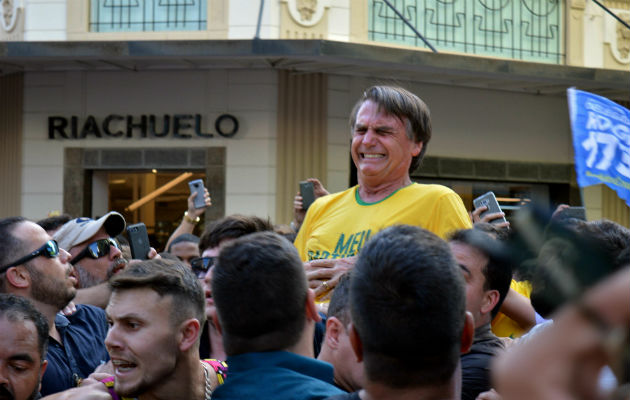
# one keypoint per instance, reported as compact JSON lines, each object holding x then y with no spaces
{"x":30,"y":232}
{"x":141,"y":302}
{"x":22,"y":333}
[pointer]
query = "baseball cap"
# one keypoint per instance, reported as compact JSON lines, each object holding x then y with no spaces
{"x":79,"y":230}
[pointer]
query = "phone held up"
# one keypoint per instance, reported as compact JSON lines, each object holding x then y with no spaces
{"x":307,"y":193}
{"x":489,"y":200}
{"x":197,"y":187}
{"x":138,"y":241}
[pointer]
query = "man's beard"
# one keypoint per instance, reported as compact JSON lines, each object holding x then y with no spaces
{"x":87,"y":279}
{"x":6,"y":394}
{"x":48,"y":291}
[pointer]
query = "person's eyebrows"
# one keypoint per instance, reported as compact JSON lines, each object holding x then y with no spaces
{"x":466,"y":270}
{"x":21,"y":357}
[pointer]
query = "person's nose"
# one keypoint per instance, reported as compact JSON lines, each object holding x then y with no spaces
{"x":112,"y":340}
{"x":369,"y":137}
{"x":114,"y":252}
{"x":64,"y":256}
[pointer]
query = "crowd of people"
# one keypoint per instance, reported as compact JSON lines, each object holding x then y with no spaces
{"x":387,"y":290}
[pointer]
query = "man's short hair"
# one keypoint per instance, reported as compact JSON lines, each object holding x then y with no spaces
{"x":167,"y":278}
{"x":260,"y":290}
{"x":339,"y":306}
{"x":11,"y":247}
{"x":52,"y":223}
{"x":407,"y":107}
{"x":231,"y":227}
{"x":17,"y":309}
{"x":184,"y":237}
{"x":497,"y":272}
{"x":408,"y":307}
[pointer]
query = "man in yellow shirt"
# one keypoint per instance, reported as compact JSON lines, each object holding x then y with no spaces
{"x":391,"y":128}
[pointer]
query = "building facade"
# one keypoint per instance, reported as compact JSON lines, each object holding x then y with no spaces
{"x":103,"y":102}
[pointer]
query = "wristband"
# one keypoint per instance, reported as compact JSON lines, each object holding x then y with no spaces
{"x":190,"y":220}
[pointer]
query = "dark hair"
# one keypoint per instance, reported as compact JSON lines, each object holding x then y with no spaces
{"x":11,"y":247}
{"x":259,"y":289}
{"x":339,"y":305}
{"x":167,"y":278}
{"x":184,"y":237}
{"x":16,"y":308}
{"x":610,"y":237}
{"x":497,"y":272}
{"x":52,"y":223}
{"x":501,"y":234}
{"x":408,"y":306}
{"x":231,"y":227}
{"x":407,"y":107}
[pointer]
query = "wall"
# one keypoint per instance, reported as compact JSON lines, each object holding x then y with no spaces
{"x":250,"y":95}
{"x":467,"y":123}
{"x":44,"y":20}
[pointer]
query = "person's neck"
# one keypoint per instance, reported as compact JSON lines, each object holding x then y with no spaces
{"x":372,"y":190}
{"x":216,"y":343}
{"x":49,"y":313}
{"x":379,"y":391}
{"x":188,"y":381}
{"x":304,"y":346}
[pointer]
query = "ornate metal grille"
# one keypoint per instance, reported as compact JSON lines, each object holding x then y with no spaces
{"x":147,"y":15}
{"x":521,"y":29}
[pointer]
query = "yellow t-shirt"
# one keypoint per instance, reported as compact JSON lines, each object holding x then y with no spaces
{"x":504,"y":326}
{"x":338,"y":225}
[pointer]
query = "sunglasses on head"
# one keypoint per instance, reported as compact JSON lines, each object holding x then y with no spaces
{"x":201,"y":265}
{"x":97,"y":249}
{"x":50,"y":249}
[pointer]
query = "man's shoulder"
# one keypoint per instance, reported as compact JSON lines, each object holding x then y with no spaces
{"x":345,"y":396}
{"x":278,"y":375}
{"x":429,"y":189}
{"x":88,"y":317}
{"x":87,"y":311}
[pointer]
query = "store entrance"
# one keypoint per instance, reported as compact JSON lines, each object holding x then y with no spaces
{"x":156,"y":198}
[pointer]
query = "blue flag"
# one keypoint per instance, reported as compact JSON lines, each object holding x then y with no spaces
{"x":601,"y":140}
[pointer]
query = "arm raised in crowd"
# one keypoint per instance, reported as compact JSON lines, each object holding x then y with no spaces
{"x":189,"y":220}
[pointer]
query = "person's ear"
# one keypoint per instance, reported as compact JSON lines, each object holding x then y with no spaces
{"x":189,"y":332}
{"x":355,"y":342}
{"x":334,"y":329}
{"x":417,"y":149}
{"x":18,"y":277}
{"x":311,"y":307}
{"x":215,"y":321}
{"x":468,"y":333}
{"x":490,"y":300}
{"x":42,"y":369}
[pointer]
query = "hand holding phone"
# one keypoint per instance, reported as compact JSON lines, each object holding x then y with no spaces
{"x":138,"y":241}
{"x":490,"y":202}
{"x":307,"y":193}
{"x":198,"y":188}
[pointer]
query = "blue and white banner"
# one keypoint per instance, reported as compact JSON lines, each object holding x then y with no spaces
{"x":601,"y":139}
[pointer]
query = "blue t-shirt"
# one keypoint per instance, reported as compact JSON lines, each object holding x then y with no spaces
{"x":277,"y":375}
{"x":83,"y":336}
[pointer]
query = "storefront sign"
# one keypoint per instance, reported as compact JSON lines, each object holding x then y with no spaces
{"x":180,"y":126}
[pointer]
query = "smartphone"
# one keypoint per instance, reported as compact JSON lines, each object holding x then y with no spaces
{"x":574,"y":212}
{"x":138,"y":241}
{"x":197,"y":187}
{"x":489,"y":200}
{"x":307,"y":193}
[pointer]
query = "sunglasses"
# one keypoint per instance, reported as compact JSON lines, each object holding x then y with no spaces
{"x":50,"y":249}
{"x":95,"y":250}
{"x":201,"y":265}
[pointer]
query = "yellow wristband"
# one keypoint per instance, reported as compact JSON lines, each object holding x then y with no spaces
{"x":190,"y":220}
